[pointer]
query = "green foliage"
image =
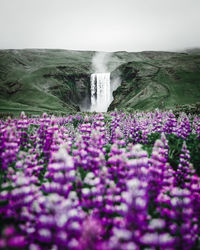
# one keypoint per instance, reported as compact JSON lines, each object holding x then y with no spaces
{"x":107,"y":149}
{"x":82,"y":172}
{"x":42,"y":173}
{"x":153,"y":137}
{"x":107,"y":118}
{"x":193,"y":145}
{"x":2,"y":176}
{"x":76,"y":122}
{"x":175,"y":145}
{"x":150,"y":142}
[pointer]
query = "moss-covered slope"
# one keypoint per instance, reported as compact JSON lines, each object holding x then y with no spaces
{"x":59,"y":80}
{"x":43,"y":80}
{"x":158,"y":82}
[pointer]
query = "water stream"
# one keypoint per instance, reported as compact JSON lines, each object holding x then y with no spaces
{"x":101,"y":96}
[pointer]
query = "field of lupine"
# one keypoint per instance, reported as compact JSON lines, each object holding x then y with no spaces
{"x":100,"y":181}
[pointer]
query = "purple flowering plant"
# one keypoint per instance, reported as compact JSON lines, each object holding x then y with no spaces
{"x":100,"y":181}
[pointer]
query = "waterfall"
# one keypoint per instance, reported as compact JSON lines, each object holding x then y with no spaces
{"x":100,"y":92}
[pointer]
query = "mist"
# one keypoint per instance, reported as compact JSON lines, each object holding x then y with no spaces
{"x":100,"y":62}
{"x":115,"y":83}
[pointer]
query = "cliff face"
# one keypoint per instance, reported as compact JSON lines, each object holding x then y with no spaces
{"x":59,"y":80}
{"x":159,"y":81}
{"x":44,"y":80}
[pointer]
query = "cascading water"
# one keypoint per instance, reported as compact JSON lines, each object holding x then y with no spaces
{"x":100,"y":92}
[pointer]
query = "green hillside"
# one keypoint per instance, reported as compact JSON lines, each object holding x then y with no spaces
{"x":43,"y":80}
{"x":158,"y":83}
{"x":36,"y":80}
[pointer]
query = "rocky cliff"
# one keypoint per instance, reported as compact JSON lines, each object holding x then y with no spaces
{"x":159,"y":81}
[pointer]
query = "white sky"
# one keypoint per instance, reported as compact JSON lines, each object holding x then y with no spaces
{"x":103,"y":25}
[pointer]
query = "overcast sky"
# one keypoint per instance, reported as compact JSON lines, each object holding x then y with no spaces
{"x":103,"y":25}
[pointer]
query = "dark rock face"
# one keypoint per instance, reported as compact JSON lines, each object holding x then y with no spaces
{"x":13,"y":87}
{"x":74,"y":89}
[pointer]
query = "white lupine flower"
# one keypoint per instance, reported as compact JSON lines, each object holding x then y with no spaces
{"x":45,"y":233}
{"x":140,"y":202}
{"x":157,"y":223}
{"x":62,"y":219}
{"x":134,"y":183}
{"x":122,"y":234}
{"x":85,"y":191}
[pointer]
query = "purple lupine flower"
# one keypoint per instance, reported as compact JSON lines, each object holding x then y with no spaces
{"x":11,"y":239}
{"x":175,"y":206}
{"x":184,"y":170}
{"x":9,"y":146}
{"x":183,"y":126}
{"x":157,"y":167}
{"x":91,"y":235}
{"x":63,"y":187}
{"x":157,"y":122}
{"x":135,"y":202}
{"x":170,"y":124}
